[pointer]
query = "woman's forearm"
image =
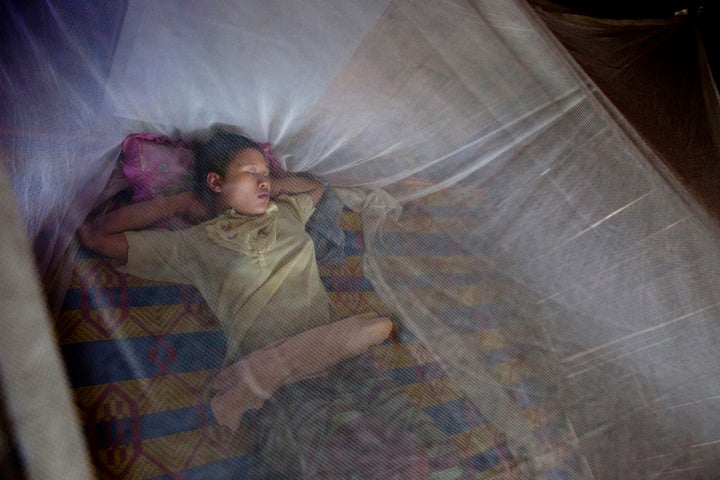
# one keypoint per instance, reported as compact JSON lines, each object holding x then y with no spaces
{"x":142,"y":215}
{"x":106,"y":234}
{"x":295,"y":184}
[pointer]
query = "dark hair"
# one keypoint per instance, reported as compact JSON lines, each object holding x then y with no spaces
{"x":216,"y":154}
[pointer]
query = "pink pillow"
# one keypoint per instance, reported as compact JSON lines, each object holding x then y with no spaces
{"x":156,"y":165}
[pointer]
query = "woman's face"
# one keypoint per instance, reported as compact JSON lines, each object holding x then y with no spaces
{"x":246,"y":184}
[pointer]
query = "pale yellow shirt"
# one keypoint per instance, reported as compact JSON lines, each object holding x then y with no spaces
{"x":258,"y":274}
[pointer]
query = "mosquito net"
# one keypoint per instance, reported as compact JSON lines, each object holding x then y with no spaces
{"x":485,"y":164}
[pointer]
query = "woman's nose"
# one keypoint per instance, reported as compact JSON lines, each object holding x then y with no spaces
{"x":262,"y":179}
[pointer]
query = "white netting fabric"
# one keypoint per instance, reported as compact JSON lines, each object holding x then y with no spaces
{"x":613,"y":267}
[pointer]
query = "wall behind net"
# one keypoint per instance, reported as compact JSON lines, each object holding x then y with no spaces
{"x":472,"y":102}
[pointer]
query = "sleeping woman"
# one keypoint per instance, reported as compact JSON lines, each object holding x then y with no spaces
{"x":318,"y":408}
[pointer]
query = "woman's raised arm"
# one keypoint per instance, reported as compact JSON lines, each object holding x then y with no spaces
{"x":106,"y":234}
{"x":294,"y":184}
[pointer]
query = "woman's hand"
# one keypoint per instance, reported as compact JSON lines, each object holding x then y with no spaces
{"x":297,"y":183}
{"x":191,"y":207}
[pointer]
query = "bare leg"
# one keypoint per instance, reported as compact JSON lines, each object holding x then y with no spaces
{"x":247,"y":383}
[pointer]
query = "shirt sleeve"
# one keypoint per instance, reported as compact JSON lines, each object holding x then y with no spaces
{"x":301,"y":203}
{"x":157,"y":255}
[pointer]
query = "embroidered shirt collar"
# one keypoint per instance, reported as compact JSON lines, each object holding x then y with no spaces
{"x":246,"y":234}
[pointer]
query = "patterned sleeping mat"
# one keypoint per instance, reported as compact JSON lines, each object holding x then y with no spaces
{"x":142,"y":354}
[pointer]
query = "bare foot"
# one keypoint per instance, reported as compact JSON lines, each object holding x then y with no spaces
{"x":241,"y":388}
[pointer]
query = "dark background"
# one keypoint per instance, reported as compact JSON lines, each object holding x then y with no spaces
{"x":705,"y":13}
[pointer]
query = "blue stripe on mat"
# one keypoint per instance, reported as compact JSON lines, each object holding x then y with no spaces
{"x":161,"y":424}
{"x":146,"y":296}
{"x":106,"y":361}
{"x":119,"y":431}
{"x":482,"y":461}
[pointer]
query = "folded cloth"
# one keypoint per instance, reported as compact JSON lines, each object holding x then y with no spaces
{"x":325,"y":230}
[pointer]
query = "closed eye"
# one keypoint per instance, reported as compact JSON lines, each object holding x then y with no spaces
{"x":262,"y":175}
